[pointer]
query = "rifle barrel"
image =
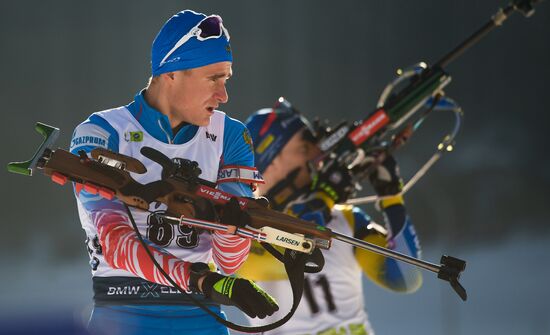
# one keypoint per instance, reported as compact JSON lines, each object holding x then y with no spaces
{"x":494,"y":22}
{"x":386,"y":252}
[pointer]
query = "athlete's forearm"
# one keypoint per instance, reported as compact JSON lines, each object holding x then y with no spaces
{"x":123,"y":250}
{"x":401,"y":237}
{"x":401,"y":233}
{"x":230,"y":251}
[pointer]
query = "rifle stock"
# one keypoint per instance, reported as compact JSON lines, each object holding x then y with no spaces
{"x":181,"y":198}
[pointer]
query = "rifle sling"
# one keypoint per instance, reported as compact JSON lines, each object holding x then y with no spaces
{"x":295,"y":266}
{"x":313,"y":263}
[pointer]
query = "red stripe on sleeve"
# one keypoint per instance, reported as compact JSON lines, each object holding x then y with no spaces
{"x":229,"y":251}
{"x":123,"y":250}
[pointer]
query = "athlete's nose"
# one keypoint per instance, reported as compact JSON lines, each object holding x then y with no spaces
{"x":221,"y":94}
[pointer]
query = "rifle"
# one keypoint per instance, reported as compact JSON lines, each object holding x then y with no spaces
{"x":108,"y":174}
{"x":402,"y":107}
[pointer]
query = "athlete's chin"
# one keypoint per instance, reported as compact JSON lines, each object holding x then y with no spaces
{"x":204,"y":122}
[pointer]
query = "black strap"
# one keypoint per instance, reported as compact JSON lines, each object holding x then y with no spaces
{"x":314,"y":263}
{"x":295,"y":266}
{"x":276,"y":192}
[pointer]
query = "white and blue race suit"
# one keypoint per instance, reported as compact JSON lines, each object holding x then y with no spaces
{"x":130,"y":295}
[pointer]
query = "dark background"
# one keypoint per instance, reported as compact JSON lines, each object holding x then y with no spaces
{"x":63,"y":60}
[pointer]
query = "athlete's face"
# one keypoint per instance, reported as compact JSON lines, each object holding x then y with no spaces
{"x":194,"y":94}
{"x":295,"y":154}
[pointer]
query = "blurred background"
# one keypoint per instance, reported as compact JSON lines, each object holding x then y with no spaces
{"x":486,"y":202}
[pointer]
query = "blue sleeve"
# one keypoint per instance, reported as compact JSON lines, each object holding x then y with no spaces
{"x":93,"y":133}
{"x":393,"y":274}
{"x":404,"y":277}
{"x":240,"y":189}
{"x":402,"y":233}
{"x":362,"y":221}
{"x":237,"y":150}
{"x":237,"y":144}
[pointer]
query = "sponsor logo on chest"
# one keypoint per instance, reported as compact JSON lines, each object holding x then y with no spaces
{"x":211,"y":137}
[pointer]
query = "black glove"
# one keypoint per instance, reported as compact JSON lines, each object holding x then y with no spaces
{"x":335,"y":181}
{"x":232,"y":214}
{"x":239,"y":292}
{"x":385,"y":179}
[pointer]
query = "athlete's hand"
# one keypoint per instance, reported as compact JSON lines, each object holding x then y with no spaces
{"x":335,"y":181}
{"x":231,"y":214}
{"x":385,"y":179}
{"x":239,"y":292}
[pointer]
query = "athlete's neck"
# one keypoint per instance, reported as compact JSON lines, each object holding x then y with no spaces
{"x":154,"y":98}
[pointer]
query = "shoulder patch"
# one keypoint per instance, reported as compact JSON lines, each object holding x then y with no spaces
{"x":248,"y":139}
{"x":88,"y":134}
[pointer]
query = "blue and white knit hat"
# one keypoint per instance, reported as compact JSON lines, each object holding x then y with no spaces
{"x":195,"y":51}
